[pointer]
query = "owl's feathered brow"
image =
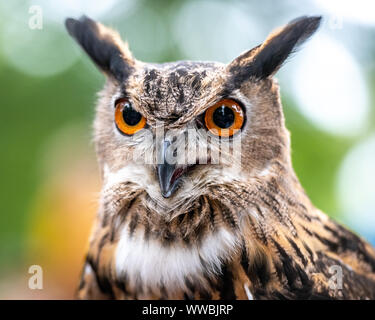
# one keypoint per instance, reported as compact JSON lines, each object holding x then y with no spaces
{"x":227,"y":232}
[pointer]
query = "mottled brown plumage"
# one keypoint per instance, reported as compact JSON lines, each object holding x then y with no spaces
{"x":231,"y":230}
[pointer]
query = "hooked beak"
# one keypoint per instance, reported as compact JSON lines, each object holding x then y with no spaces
{"x":169,"y":174}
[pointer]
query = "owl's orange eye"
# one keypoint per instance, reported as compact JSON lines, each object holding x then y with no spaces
{"x":224,"y":118}
{"x":128,"y":120}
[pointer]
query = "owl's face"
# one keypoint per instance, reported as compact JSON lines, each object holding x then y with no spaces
{"x":174,"y":130}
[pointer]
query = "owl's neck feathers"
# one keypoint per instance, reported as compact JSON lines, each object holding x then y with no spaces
{"x":259,"y":237}
{"x":197,"y":243}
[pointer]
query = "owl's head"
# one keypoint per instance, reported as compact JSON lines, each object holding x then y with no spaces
{"x":174,"y":130}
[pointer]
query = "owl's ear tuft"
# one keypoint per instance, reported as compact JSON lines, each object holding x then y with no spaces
{"x":264,"y":60}
{"x":103,"y":45}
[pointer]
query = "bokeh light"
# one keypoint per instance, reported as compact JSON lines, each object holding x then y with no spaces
{"x":25,"y":49}
{"x":147,"y":21}
{"x":197,"y":21}
{"x":59,"y":10}
{"x":329,"y":87}
{"x":356,"y":188}
{"x":357,"y":11}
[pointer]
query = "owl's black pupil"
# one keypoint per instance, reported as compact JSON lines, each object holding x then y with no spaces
{"x":131,"y":117}
{"x":223,"y":117}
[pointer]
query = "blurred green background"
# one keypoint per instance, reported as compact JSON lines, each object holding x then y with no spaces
{"x":49,"y":180}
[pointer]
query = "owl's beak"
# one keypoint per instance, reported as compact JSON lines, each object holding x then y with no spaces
{"x":168,"y":174}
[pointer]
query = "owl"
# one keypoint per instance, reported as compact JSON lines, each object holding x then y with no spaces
{"x":199,"y":197}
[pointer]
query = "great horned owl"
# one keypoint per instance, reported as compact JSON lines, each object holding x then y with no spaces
{"x":238,"y":228}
